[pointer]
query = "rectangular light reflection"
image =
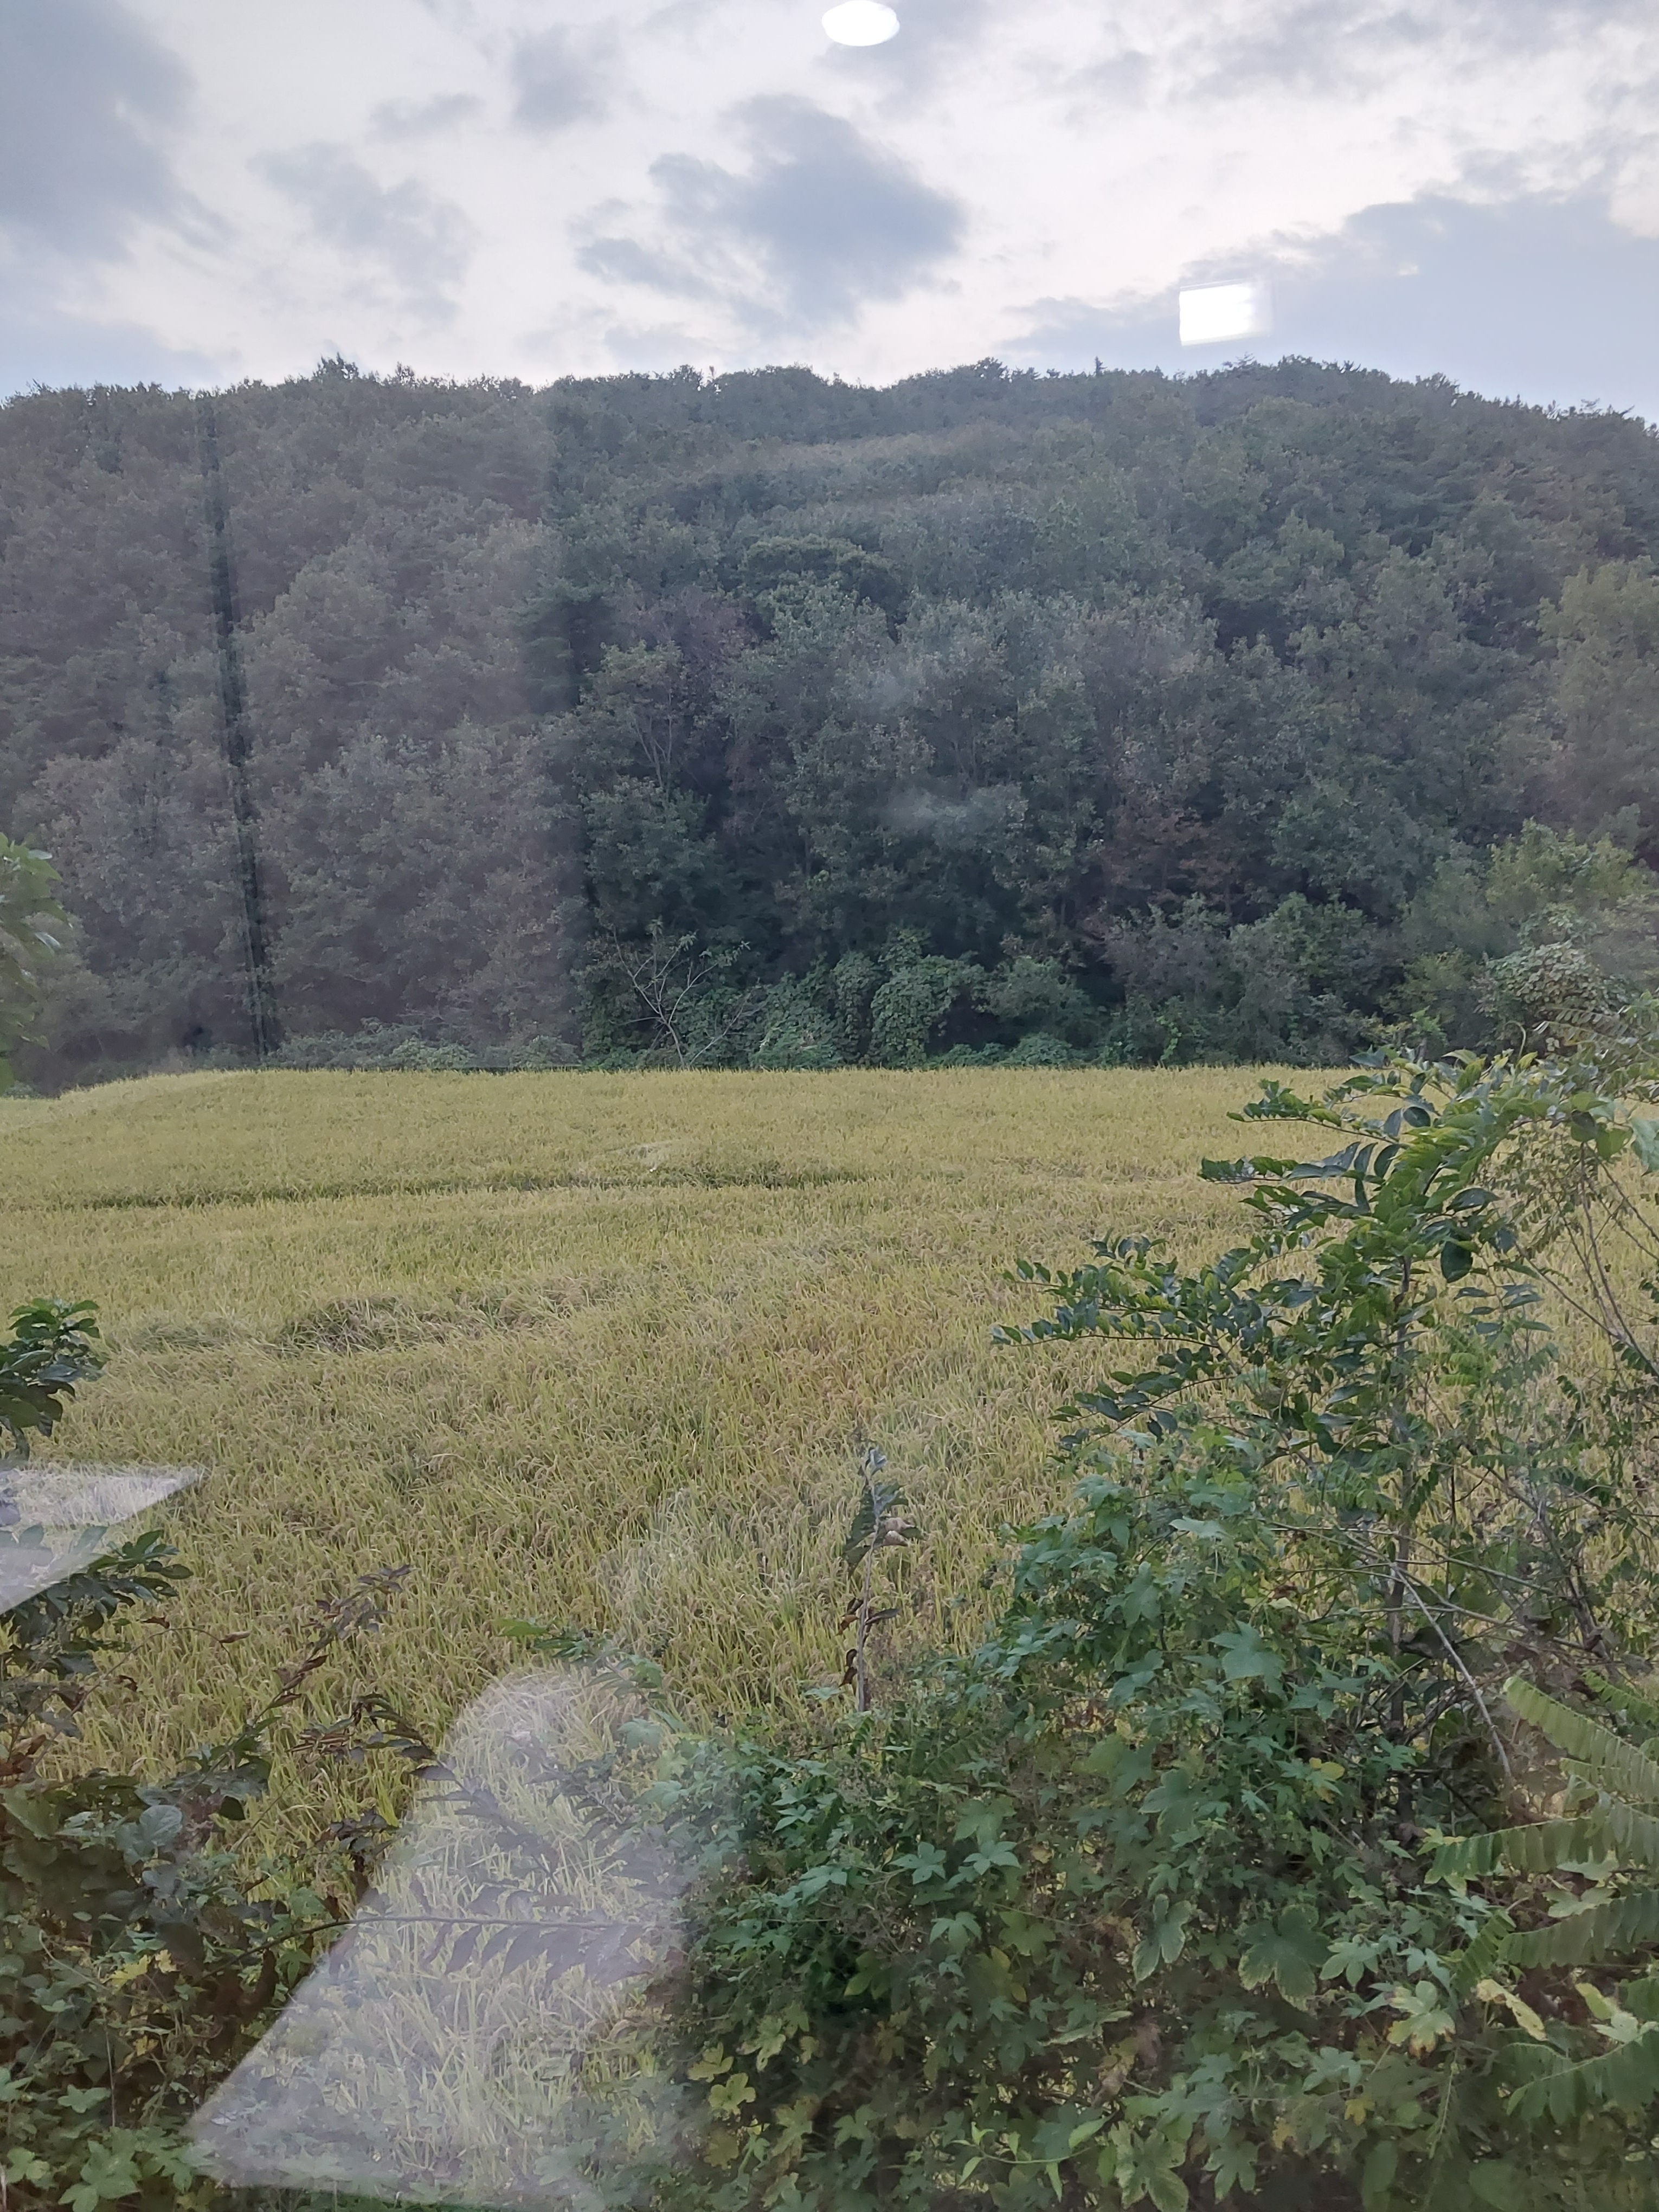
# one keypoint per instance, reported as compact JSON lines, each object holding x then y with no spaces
{"x":1213,"y":313}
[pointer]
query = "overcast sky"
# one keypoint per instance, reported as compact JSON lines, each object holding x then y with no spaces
{"x":196,"y":190}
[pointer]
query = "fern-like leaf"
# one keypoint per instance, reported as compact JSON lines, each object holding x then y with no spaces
{"x":1538,"y":1848}
{"x":1634,"y":1836}
{"x":1611,"y":1763}
{"x":1608,"y":1931}
{"x":1630,"y":1705}
{"x":1627,"y":2077}
{"x":1482,"y":1954}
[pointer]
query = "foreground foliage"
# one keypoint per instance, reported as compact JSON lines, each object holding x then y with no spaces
{"x":1142,"y":1903}
{"x":136,"y":1961}
{"x":140,"y":1957}
{"x":1236,"y":1861}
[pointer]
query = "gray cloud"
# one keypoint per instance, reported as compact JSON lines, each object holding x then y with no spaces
{"x":557,"y":80}
{"x":1327,"y":45}
{"x":423,"y":244}
{"x":625,"y":261}
{"x":832,"y":221}
{"x":87,"y":96}
{"x":1543,"y":298}
{"x":1316,"y":45}
{"x":401,"y":119}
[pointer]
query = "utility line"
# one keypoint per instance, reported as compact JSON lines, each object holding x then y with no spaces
{"x":263,"y":1020}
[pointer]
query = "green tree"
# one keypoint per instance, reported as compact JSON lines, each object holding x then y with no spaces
{"x":1605,"y":632}
{"x":30,"y":916}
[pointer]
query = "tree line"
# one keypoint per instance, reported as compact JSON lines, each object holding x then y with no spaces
{"x":765,"y":719}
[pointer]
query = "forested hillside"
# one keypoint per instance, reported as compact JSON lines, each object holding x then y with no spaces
{"x":769,"y":720}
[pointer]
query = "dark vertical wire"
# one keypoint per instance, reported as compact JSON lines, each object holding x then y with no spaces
{"x":263,"y":1019}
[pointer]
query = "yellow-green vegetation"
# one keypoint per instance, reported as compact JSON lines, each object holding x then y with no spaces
{"x":601,"y":1349}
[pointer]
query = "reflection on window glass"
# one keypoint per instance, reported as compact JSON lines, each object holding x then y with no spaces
{"x":702,"y":703}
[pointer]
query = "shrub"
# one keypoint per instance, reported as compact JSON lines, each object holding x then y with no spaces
{"x":796,"y":1028}
{"x":1039,"y":1050}
{"x":391,"y":1045}
{"x":140,"y":1956}
{"x":1289,"y":988}
{"x":906,"y":1012}
{"x":1139,"y":1901}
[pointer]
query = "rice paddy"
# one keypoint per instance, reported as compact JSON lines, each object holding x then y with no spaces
{"x":601,"y":1349}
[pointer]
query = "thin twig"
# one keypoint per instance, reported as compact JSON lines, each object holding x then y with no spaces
{"x":1453,"y":1654}
{"x":861,"y":1692}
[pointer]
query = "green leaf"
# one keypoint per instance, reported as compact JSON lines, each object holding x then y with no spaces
{"x":998,"y":1854}
{"x":1167,"y":2189}
{"x":1230,"y":1171}
{"x":1246,"y":1658}
{"x":956,"y":1930}
{"x":876,"y":1500}
{"x":1288,"y":1952}
{"x":1380,"y":2168}
{"x":1163,"y":1942}
{"x":1486,"y":1951}
{"x":1538,"y":1848}
{"x":1634,"y":1835}
{"x":158,"y":1825}
{"x":1606,"y":1931}
{"x":1644,"y":1141}
{"x":1615,"y":1765}
{"x":1233,"y":2167}
{"x":1456,"y":1260}
{"x":1494,"y":2181}
{"x":108,"y":2171}
{"x":1627,"y":2076}
{"x":924,"y":1864}
{"x":32,"y":1811}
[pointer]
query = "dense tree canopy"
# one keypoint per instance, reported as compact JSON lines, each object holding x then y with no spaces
{"x":773,"y":720}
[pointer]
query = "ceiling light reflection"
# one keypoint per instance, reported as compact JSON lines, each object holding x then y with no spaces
{"x":54,"y":1521}
{"x":1211,"y":313}
{"x":861,"y":23}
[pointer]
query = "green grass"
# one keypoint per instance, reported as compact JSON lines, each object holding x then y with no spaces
{"x":600,"y":1349}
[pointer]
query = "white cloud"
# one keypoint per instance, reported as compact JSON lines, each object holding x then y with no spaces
{"x":1634,"y":198}
{"x":585,"y":186}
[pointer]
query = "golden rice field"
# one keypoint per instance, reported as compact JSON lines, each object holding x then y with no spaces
{"x":600,"y":1349}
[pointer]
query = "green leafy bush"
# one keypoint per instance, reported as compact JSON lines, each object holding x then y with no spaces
{"x":139,"y":1954}
{"x":53,"y":1347}
{"x":1140,"y":1901}
{"x":395,"y":1046}
{"x":143,"y":1954}
{"x":30,"y":917}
